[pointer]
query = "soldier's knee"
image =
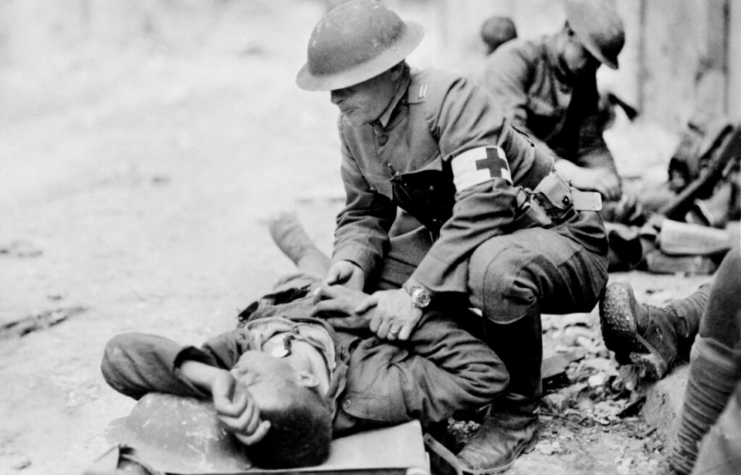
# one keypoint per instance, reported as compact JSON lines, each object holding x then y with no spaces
{"x":504,"y":286}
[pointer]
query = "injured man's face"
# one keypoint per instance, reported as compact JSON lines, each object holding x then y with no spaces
{"x":288,"y":395}
{"x":275,"y":383}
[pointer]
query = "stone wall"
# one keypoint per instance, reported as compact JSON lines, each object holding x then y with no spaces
{"x":682,"y":57}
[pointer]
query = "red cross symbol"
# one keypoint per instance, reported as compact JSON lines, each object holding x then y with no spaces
{"x":492,"y":162}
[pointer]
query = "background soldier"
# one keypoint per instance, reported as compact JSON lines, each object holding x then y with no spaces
{"x":548,"y":88}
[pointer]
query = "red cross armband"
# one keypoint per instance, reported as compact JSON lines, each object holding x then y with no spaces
{"x":479,"y":165}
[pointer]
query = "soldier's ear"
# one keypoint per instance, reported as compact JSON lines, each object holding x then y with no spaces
{"x":306,"y":379}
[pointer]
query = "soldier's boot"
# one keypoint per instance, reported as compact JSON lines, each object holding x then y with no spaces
{"x":511,"y":426}
{"x":291,"y":238}
{"x":712,"y":379}
{"x":652,"y":337}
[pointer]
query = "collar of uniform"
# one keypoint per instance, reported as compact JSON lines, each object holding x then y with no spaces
{"x":315,"y":334}
{"x":550,"y":44}
{"x":406,"y":78}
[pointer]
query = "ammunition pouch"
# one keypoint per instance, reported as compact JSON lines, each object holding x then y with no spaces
{"x":554,"y":201}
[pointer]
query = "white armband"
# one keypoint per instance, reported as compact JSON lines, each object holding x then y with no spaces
{"x":479,"y":165}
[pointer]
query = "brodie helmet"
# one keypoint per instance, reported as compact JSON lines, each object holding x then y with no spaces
{"x":598,"y":27}
{"x":354,"y":42}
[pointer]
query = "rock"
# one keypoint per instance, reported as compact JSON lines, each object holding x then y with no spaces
{"x":545,"y":448}
{"x":597,"y":380}
{"x":555,"y":402}
{"x":554,"y":366}
{"x":585,"y":403}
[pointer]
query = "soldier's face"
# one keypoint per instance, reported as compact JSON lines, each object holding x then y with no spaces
{"x":265,"y":376}
{"x":365,"y":102}
{"x":576,"y":57}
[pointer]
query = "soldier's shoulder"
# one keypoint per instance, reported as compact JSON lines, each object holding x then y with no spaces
{"x":431,"y":85}
{"x":524,"y":49}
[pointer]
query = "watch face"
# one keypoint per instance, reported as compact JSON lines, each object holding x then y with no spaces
{"x":420,"y":297}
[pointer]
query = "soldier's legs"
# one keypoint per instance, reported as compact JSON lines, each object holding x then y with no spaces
{"x":720,"y":451}
{"x":291,"y":238}
{"x":512,"y":279}
{"x":405,"y":253}
{"x":715,"y":364}
{"x":654,"y":338}
{"x":722,"y":318}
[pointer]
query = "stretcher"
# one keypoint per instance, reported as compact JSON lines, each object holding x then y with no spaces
{"x":397,"y":450}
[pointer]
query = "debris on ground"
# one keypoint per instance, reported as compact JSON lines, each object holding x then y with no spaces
{"x":20,"y":248}
{"x":38,"y":322}
{"x":585,"y":392}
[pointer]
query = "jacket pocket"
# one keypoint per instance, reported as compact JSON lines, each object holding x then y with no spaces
{"x":387,"y":408}
{"x":428,"y":194}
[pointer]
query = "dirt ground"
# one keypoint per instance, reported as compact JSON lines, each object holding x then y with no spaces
{"x":137,"y":182}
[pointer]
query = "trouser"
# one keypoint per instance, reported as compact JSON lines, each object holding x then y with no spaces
{"x":515,"y":277}
{"x":722,"y":318}
{"x":720,"y":451}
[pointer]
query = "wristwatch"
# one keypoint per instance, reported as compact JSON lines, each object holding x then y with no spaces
{"x":421,"y":298}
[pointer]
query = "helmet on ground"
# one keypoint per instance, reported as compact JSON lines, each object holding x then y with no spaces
{"x":354,"y":42}
{"x":598,"y":27}
{"x":176,"y":434}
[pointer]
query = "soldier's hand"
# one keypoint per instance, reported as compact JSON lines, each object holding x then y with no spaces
{"x":394,"y":316}
{"x":337,"y":304}
{"x":236,"y":409}
{"x":336,"y":299}
{"x":346,"y":273}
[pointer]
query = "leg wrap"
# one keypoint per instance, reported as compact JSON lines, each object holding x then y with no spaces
{"x":713,"y":377}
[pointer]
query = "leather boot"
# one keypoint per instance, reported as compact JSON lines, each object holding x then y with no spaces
{"x":504,"y":435}
{"x":511,"y":426}
{"x":652,"y":337}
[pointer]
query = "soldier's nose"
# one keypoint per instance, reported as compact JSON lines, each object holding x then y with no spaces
{"x":338,"y":96}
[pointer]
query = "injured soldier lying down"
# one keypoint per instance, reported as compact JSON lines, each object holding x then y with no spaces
{"x":285,"y":381}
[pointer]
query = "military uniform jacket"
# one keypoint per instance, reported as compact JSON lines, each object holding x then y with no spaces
{"x":559,"y":111}
{"x":443,"y":152}
{"x":439,"y":371}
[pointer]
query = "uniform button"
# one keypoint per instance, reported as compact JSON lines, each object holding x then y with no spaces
{"x":432,"y":187}
{"x":382,"y":139}
{"x":566,"y":200}
{"x":347,"y":404}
